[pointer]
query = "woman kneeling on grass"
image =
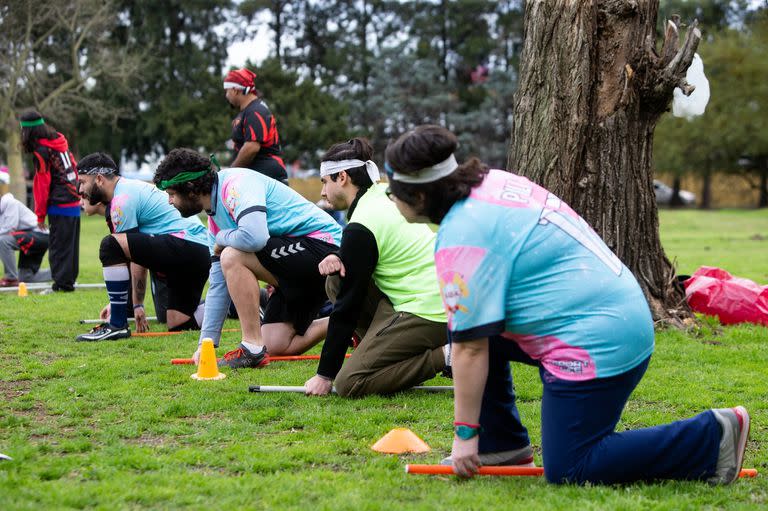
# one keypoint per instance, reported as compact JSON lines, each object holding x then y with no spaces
{"x":524,"y":278}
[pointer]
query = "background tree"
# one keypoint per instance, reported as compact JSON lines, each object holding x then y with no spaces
{"x":592,"y":88}
{"x":54,"y":58}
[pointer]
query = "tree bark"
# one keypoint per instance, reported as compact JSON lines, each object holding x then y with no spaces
{"x":592,"y":88}
{"x":18,"y":186}
{"x":706,"y":189}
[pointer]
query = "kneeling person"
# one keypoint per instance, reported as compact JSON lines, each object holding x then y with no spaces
{"x":148,"y":233}
{"x":259,"y":229}
{"x":387,"y":289}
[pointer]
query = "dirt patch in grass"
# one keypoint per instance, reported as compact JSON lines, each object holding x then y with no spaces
{"x":151,"y":440}
{"x":12,"y":389}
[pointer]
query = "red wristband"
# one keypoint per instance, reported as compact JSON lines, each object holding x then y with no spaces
{"x":469,"y":425}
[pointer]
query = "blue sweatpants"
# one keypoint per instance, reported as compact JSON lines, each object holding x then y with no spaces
{"x":578,"y":421}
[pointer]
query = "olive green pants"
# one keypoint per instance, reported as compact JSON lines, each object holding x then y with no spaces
{"x":397,"y":350}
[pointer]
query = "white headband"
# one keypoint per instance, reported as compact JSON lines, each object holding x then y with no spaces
{"x":334,"y":167}
{"x":429,"y":174}
{"x":233,"y":85}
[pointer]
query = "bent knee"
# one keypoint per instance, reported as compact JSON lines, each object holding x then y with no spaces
{"x":346,"y":386}
{"x":229,"y":258}
{"x":111,"y":253}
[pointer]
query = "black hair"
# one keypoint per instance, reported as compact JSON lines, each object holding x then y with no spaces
{"x":354,"y":149}
{"x":186,"y":160}
{"x":424,"y":147}
{"x":30,"y":136}
{"x":97,"y":160}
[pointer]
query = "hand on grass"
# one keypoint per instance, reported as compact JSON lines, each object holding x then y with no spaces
{"x":196,"y":357}
{"x":330,"y":265}
{"x":140,"y":316}
{"x":318,"y":386}
{"x":105,"y":313}
{"x":465,"y":458}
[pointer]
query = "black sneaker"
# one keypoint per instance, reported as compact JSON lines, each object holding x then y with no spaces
{"x":105,"y":332}
{"x":241,"y":357}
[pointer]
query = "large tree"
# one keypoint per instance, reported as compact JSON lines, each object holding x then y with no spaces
{"x":592,"y":87}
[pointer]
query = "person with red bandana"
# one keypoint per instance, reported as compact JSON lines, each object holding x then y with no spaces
{"x":254,"y":130}
{"x":55,"y":190}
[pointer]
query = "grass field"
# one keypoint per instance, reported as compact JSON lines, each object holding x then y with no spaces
{"x":115,"y":426}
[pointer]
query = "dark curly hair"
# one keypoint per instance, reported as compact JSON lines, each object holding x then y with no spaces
{"x":30,"y":136}
{"x":98,"y":160}
{"x":186,"y":160}
{"x":423,"y":147}
{"x":354,"y":149}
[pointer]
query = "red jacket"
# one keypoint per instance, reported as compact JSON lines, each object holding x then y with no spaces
{"x":55,"y":181}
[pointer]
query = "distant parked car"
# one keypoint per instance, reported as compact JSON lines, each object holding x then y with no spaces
{"x":664,"y":195}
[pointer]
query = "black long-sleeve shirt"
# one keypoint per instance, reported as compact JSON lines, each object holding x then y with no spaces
{"x":359,"y":253}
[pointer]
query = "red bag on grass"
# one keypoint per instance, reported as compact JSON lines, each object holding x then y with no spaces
{"x":715,"y":292}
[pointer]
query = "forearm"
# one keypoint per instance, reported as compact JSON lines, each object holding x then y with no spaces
{"x":217,"y":302}
{"x":246,"y":154}
{"x":250,"y":235}
{"x":139,"y":283}
{"x":469,"y":362}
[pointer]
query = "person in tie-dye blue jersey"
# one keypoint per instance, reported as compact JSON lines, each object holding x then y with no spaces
{"x":525,"y":278}
{"x":259,"y":230}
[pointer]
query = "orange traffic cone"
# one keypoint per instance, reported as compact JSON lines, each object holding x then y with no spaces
{"x":400,"y":440}
{"x":23,"y":289}
{"x":208,"y":369}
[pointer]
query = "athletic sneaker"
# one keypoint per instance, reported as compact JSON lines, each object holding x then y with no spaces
{"x":242,"y":357}
{"x":522,"y":457}
{"x":735,"y":424}
{"x":6,"y":282}
{"x":105,"y":332}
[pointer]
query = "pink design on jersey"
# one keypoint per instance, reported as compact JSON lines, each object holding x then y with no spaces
{"x":212,"y":226}
{"x":322,"y":236}
{"x":455,"y":266}
{"x":562,"y":360}
{"x":181,"y":234}
{"x":116,"y":210}
{"x":230,"y":193}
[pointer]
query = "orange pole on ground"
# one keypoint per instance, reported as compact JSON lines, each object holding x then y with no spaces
{"x":164,"y":334}
{"x":509,"y":471}
{"x":284,"y":358}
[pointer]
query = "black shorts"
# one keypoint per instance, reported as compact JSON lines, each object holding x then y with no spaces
{"x":300,"y":290}
{"x":184,"y":265}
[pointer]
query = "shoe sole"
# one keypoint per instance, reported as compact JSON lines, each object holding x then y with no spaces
{"x":743,"y":437}
{"x":108,"y":338}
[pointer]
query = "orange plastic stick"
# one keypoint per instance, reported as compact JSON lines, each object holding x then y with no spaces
{"x":284,"y":358}
{"x":510,"y":471}
{"x":164,"y":334}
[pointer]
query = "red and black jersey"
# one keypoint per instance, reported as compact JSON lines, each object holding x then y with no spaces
{"x":256,"y":123}
{"x":55,"y":182}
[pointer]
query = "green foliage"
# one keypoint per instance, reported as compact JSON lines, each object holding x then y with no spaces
{"x":114,"y":426}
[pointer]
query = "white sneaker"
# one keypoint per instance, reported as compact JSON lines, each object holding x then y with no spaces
{"x":735,"y":424}
{"x":522,"y":457}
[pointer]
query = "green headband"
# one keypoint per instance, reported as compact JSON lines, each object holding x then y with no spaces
{"x":186,"y":177}
{"x":33,"y":123}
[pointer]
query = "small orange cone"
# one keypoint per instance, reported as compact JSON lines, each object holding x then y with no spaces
{"x":208,"y":369}
{"x":23,"y":289}
{"x":400,"y":440}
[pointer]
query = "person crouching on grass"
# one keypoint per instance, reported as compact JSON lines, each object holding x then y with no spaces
{"x":524,"y":278}
{"x":382,"y":282}
{"x":147,"y":233}
{"x":259,"y":229}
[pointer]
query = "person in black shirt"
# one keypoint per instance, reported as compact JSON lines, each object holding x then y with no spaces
{"x":254,"y":130}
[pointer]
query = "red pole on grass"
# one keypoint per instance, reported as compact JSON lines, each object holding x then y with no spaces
{"x":283,"y":358}
{"x":509,"y":471}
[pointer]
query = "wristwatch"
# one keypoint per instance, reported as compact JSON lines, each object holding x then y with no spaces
{"x":466,"y":431}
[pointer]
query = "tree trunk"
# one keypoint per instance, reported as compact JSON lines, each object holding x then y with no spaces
{"x":592,"y":88}
{"x":763,"y":200}
{"x":18,"y":186}
{"x":675,"y":201}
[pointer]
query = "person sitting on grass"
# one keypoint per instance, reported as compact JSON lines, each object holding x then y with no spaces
{"x":19,"y":232}
{"x":525,"y":278}
{"x":148,"y":233}
{"x":383,"y":285}
{"x":259,"y":230}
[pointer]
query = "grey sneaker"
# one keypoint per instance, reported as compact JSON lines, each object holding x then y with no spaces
{"x":522,"y":457}
{"x":242,"y":357}
{"x":735,"y":424}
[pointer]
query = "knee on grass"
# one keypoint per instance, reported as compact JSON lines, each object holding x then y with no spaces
{"x":111,"y":253}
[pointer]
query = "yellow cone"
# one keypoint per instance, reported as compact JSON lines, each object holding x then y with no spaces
{"x":400,"y":440}
{"x":23,"y":289}
{"x":207,"y":369}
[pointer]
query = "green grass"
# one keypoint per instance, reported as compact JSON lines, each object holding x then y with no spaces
{"x":115,"y":426}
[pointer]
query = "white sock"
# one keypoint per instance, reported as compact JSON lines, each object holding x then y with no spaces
{"x":447,"y":353}
{"x":253,"y":348}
